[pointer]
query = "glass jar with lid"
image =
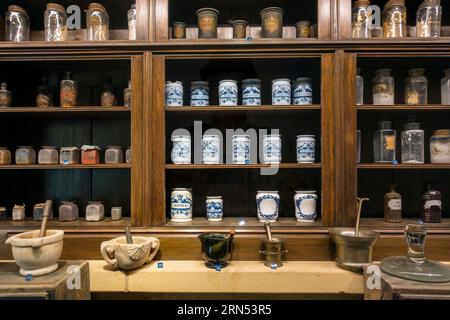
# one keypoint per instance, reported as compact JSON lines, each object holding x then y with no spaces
{"x":383,"y":87}
{"x":428,"y":20}
{"x":5,"y":96}
{"x":384,"y":142}
{"x":97,"y":21}
{"x":113,"y":155}
{"x":90,"y":154}
{"x":359,"y":88}
{"x":5,"y":156}
{"x":432,"y":206}
{"x":416,"y":87}
{"x":361,"y":19}
{"x":17,"y":24}
{"x":68,"y":91}
{"x":394,"y":19}
{"x":44,"y":95}
{"x":413,"y":141}
{"x":69,"y":155}
{"x":440,"y":146}
{"x":108,"y":98}
{"x":25,"y":155}
{"x":392,"y":206}
{"x":95,"y":211}
{"x":132,"y":22}
{"x":55,"y":23}
{"x":48,"y":155}
{"x":445,"y":88}
{"x":68,"y":211}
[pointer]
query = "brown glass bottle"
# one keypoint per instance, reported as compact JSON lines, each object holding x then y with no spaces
{"x":432,"y":206}
{"x":392,"y":206}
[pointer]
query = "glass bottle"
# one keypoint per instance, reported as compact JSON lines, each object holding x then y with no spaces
{"x":55,"y":20}
{"x":392,"y":206}
{"x":416,"y":88}
{"x":69,"y":91}
{"x":97,"y":22}
{"x":360,"y":19}
{"x":413,"y":141}
{"x":383,"y":87}
{"x":132,"y":23}
{"x":127,"y":95}
{"x":432,"y":206}
{"x":108,"y":99}
{"x":384,"y":141}
{"x":440,"y":146}
{"x":394,"y":19}
{"x":428,"y":20}
{"x":17,"y":24}
{"x":5,"y":96}
{"x":44,"y":95}
{"x":359,"y":88}
{"x":445,"y":88}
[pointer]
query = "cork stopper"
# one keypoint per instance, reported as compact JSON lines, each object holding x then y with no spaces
{"x":56,"y":7}
{"x":392,"y":3}
{"x":17,"y":9}
{"x":96,"y":7}
{"x":442,"y":132}
{"x":361,"y":3}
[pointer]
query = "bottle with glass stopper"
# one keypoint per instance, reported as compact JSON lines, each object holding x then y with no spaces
{"x":413,"y":142}
{"x":392,"y":205}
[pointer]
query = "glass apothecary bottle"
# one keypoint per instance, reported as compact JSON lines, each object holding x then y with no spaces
{"x":132,"y":23}
{"x":48,"y":155}
{"x":55,"y":23}
{"x":5,"y":156}
{"x":69,"y":91}
{"x":413,"y":141}
{"x":97,"y":21}
{"x":69,"y":155}
{"x":394,"y":19}
{"x":359,"y":88}
{"x":95,"y":211}
{"x":428,"y":20}
{"x":108,"y":98}
{"x":384,"y":141}
{"x":44,"y":97}
{"x":127,"y":95}
{"x":361,"y":19}
{"x":17,"y":24}
{"x":416,"y":87}
{"x":25,"y":155}
{"x":440,"y":146}
{"x":5,"y":96}
{"x":392,"y":206}
{"x":445,"y":88}
{"x":432,"y":206}
{"x":383,"y":87}
{"x":113,"y":155}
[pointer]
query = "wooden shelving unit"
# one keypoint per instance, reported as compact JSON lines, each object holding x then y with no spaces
{"x":77,"y":109}
{"x":65,"y":167}
{"x":243,"y":108}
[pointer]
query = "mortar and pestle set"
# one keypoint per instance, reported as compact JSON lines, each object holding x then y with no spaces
{"x":216,"y":249}
{"x":273,"y":249}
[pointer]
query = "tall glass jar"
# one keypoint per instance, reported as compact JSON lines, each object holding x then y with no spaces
{"x":416,"y":88}
{"x":359,"y":88}
{"x":55,"y":20}
{"x":432,"y":206}
{"x":440,"y":146}
{"x":428,"y":20}
{"x":97,"y":21}
{"x":445,"y":88}
{"x":69,"y":91}
{"x":44,"y":95}
{"x":384,"y":141}
{"x":17,"y":24}
{"x":5,"y":96}
{"x":108,"y":98}
{"x":413,"y":141}
{"x":360,"y":19}
{"x":383,"y":87}
{"x":132,"y":23}
{"x":394,"y":19}
{"x":127,"y":95}
{"x":392,"y":206}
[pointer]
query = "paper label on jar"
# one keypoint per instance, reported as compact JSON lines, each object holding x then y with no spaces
{"x":395,"y":204}
{"x":432,"y":203}
{"x":390,"y":142}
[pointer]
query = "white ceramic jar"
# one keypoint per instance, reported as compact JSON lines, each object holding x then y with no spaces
{"x":174,"y":94}
{"x":281,"y":92}
{"x":271,"y":148}
{"x":181,"y":205}
{"x":303,"y":92}
{"x":214,"y":208}
{"x":211,"y":149}
{"x":306,"y":149}
{"x":199,"y":94}
{"x":305,"y":206}
{"x":268,"y":205}
{"x":228,"y":93}
{"x":241,"y":149}
{"x":251,"y":92}
{"x":181,"y":150}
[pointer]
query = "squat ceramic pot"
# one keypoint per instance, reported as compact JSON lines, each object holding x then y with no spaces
{"x":181,"y":205}
{"x":199,"y":94}
{"x":228,"y":93}
{"x":5,"y":156}
{"x":211,"y":149}
{"x":251,"y":92}
{"x":181,"y":150}
{"x":303,"y":94}
{"x":116,"y":213}
{"x":305,"y":206}
{"x":69,"y":155}
{"x":268,"y":205}
{"x":174,"y":94}
{"x":113,"y":155}
{"x":306,"y":149}
{"x":272,"y":22}
{"x":271,"y":148}
{"x":281,"y":92}
{"x":207,"y":23}
{"x":214,"y":208}
{"x":241,"y":149}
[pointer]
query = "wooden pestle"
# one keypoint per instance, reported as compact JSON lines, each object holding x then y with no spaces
{"x":45,"y":216}
{"x":268,"y":231}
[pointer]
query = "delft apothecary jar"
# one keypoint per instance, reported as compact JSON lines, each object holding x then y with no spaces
{"x":281,"y":92}
{"x":181,"y":150}
{"x":440,"y":146}
{"x":413,"y":140}
{"x":97,"y":21}
{"x":384,"y":142}
{"x":55,"y":23}
{"x":394,"y":19}
{"x":181,"y":205}
{"x":445,"y":88}
{"x":302,"y":92}
{"x":383,"y":87}
{"x":199,"y":94}
{"x":268,"y":205}
{"x":359,"y":88}
{"x":251,"y":92}
{"x":17,"y":24}
{"x":228,"y":93}
{"x":211,"y":145}
{"x":174,"y":94}
{"x":428,"y":20}
{"x":416,"y":89}
{"x":361,"y":19}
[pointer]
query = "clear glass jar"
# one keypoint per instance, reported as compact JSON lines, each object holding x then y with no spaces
{"x":68,"y":211}
{"x":383,"y":87}
{"x":97,"y":22}
{"x":90,"y":155}
{"x":5,"y":156}
{"x":38,"y":212}
{"x":416,"y":87}
{"x":440,"y":146}
{"x":48,"y":155}
{"x":132,"y":23}
{"x":69,"y":91}
{"x":432,"y":206}
{"x":25,"y":155}
{"x":17,"y":24}
{"x":5,"y":96}
{"x":384,"y":141}
{"x":360,"y":19}
{"x":108,"y":98}
{"x":127,"y":95}
{"x":95,"y":211}
{"x":113,"y":155}
{"x":18,"y":212}
{"x":44,"y":96}
{"x":55,"y":23}
{"x":393,"y":206}
{"x":445,"y":88}
{"x":69,"y":155}
{"x":359,"y":88}
{"x":428,"y":20}
{"x":413,"y":141}
{"x":394,"y":19}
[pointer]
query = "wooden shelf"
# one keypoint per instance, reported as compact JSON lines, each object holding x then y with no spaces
{"x":243,"y":108}
{"x":402,"y":107}
{"x":65,"y":167}
{"x":378,"y":224}
{"x":242,"y":166}
{"x":94,"y":109}
{"x":403,"y":166}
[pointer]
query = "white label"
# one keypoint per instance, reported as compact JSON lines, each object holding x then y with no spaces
{"x":395,"y":204}
{"x":432,"y":203}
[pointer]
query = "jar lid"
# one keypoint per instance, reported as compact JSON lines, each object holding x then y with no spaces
{"x":179,"y":23}
{"x":308,"y":23}
{"x":442,"y":132}
{"x":361,"y":3}
{"x":168,"y":83}
{"x":88,"y":148}
{"x":223,"y":81}
{"x":69,"y":149}
{"x":19,"y":206}
{"x":278,"y":9}
{"x":48,"y":147}
{"x":203,"y":83}
{"x":239,"y":22}
{"x":96,"y":7}
{"x":68,"y":202}
{"x":272,"y":135}
{"x":17,"y":9}
{"x":25,"y":147}
{"x":56,"y":7}
{"x":214,"y":197}
{"x":412,"y":126}
{"x":306,"y":136}
{"x":211,"y":10}
{"x":392,"y":3}
{"x":181,"y":136}
{"x":253,"y":80}
{"x":241,"y":136}
{"x":182,"y":189}
{"x":2,"y":209}
{"x":268,"y":191}
{"x":303,"y":79}
{"x":39,"y":205}
{"x":306,"y":191}
{"x":419,"y":71}
{"x":95,"y":202}
{"x":281,"y":80}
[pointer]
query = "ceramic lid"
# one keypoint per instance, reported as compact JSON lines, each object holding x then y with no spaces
{"x":223,"y":81}
{"x":239,"y":22}
{"x":69,"y":149}
{"x":196,"y":83}
{"x":281,"y":80}
{"x":303,"y":79}
{"x":212,"y":10}
{"x":214,"y":197}
{"x":303,"y":23}
{"x":306,"y":136}
{"x":253,"y":80}
{"x":306,"y":191}
{"x":268,"y":191}
{"x":182,"y":189}
{"x":278,"y":9}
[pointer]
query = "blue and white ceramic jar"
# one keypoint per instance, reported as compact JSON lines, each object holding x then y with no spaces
{"x":251,"y":92}
{"x":268,"y":205}
{"x":214,"y":208}
{"x":199,"y":94}
{"x":228,"y":93}
{"x":281,"y":92}
{"x":174,"y":94}
{"x":271,"y":148}
{"x":181,"y":205}
{"x":211,"y":149}
{"x":241,"y":149}
{"x":306,"y":149}
{"x":302,"y":92}
{"x":305,"y":206}
{"x":181,"y":149}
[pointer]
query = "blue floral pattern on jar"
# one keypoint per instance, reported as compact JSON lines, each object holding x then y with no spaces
{"x":281,"y":92}
{"x":214,"y":209}
{"x":241,"y":151}
{"x":303,"y":93}
{"x":174,"y":94}
{"x":306,"y":149}
{"x":305,"y":216}
{"x":272,"y":149}
{"x":267,"y":216}
{"x":181,"y":205}
{"x":211,"y":149}
{"x":251,"y":92}
{"x":228,"y":93}
{"x":181,"y":150}
{"x":199,"y":94}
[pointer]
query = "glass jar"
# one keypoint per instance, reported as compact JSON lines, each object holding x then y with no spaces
{"x":3,"y":213}
{"x":113,"y":155}
{"x":394,"y":19}
{"x":90,"y":155}
{"x":393,"y":206}
{"x":272,"y":22}
{"x":440,"y":146}
{"x":303,"y":29}
{"x":5,"y":96}
{"x":359,"y":88}
{"x":108,"y":98}
{"x":416,"y":88}
{"x":128,"y":155}
{"x":44,"y":96}
{"x":25,"y":155}
{"x":384,"y":141}
{"x":18,"y":212}
{"x":383,"y":87}
{"x":48,"y":155}
{"x":360,"y":19}
{"x":55,"y":23}
{"x":445,"y":88}
{"x":95,"y":211}
{"x":179,"y":30}
{"x":116,"y":213}
{"x":239,"y":29}
{"x":5,"y":156}
{"x":127,"y":95}
{"x":428,"y":20}
{"x":432,"y":206}
{"x":17,"y":24}
{"x":413,"y":141}
{"x":69,"y":155}
{"x":97,"y":22}
{"x":207,"y":23}
{"x":132,"y":26}
{"x":38,"y":212}
{"x":69,"y":91}
{"x":68,"y":211}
